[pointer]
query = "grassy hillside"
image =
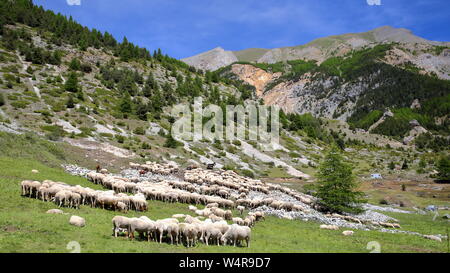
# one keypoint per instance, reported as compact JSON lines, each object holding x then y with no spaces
{"x":250,"y":54}
{"x":27,"y":228}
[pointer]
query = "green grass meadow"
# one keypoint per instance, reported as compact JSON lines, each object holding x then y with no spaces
{"x":25,"y":227}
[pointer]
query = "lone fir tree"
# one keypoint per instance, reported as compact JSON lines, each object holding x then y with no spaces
{"x":444,"y":169}
{"x":71,"y":84}
{"x":336,"y":186}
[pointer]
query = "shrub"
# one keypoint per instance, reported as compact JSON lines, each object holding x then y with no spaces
{"x":20,"y":104}
{"x":139,"y":131}
{"x":248,"y":173}
{"x":2,"y":99}
{"x":237,"y":142}
{"x":120,"y":138}
{"x":145,"y":146}
{"x":107,"y":135}
{"x":171,"y":142}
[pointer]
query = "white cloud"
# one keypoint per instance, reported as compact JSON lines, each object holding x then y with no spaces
{"x":374,"y":2}
{"x":74,"y":2}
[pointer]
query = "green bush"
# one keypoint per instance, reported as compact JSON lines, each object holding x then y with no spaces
{"x":171,"y":142}
{"x":248,"y":173}
{"x":20,"y":104}
{"x":120,"y":138}
{"x":107,"y":135}
{"x":139,"y":131}
{"x":2,"y":99}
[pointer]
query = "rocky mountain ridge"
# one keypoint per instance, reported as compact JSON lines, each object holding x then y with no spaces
{"x":318,"y":50}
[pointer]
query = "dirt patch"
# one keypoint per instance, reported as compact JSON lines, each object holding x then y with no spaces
{"x":397,"y":191}
{"x":10,"y":228}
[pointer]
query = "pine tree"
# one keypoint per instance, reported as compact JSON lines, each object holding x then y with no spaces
{"x":126,"y":104}
{"x":70,"y":102}
{"x":2,"y":100}
{"x":336,"y":188}
{"x":171,"y":142}
{"x":405,"y":165}
{"x":71,"y":84}
{"x":391,"y":165}
{"x":75,"y":64}
{"x":444,"y":168}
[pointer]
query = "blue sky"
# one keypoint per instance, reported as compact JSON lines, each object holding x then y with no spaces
{"x":182,"y":28}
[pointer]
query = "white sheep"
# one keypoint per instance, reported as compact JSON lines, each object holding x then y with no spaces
{"x":120,"y":222}
{"x":240,"y":209}
{"x":236,"y":234}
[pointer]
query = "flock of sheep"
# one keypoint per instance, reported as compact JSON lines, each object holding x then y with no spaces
{"x":226,"y":188}
{"x":215,"y":229}
{"x":219,"y":191}
{"x":73,"y":196}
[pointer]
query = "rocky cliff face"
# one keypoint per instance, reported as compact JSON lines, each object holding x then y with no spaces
{"x":254,"y":76}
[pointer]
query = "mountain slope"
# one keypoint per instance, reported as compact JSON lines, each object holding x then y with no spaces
{"x":318,"y":50}
{"x":350,"y":87}
{"x":212,"y":60}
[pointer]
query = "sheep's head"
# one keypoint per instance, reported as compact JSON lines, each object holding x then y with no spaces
{"x":223,"y":240}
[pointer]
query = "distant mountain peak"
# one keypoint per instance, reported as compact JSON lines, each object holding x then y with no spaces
{"x":319,"y":49}
{"x":212,"y":59}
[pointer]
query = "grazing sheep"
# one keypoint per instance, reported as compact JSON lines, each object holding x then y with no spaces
{"x":215,"y":218}
{"x":214,"y":234}
{"x":26,"y":185}
{"x":34,"y":189}
{"x":163,"y":225}
{"x":212,"y":205}
{"x":329,"y":227}
{"x":347,"y":233}
{"x":75,"y":200}
{"x":120,"y":222}
{"x":236,"y":234}
{"x":173,"y":232}
{"x":77,"y":221}
{"x":259,"y":215}
{"x":238,"y":221}
{"x":228,"y":214}
{"x":62,"y":198}
{"x":122,"y":206}
{"x":189,"y":232}
{"x":139,"y":225}
{"x":240,"y":209}
{"x":388,"y":225}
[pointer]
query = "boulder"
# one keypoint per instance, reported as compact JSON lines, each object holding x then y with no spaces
{"x":77,"y":221}
{"x":34,"y":171}
{"x":347,"y":233}
{"x":54,"y":211}
{"x":432,"y":237}
{"x":415,"y":104}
